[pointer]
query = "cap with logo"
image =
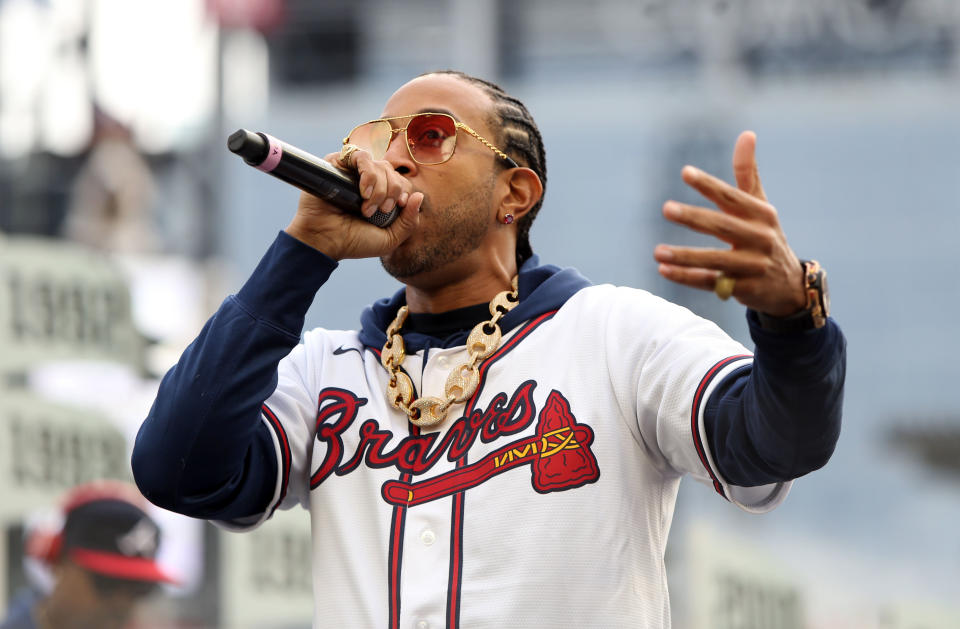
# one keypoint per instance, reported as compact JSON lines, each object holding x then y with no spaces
{"x":107,"y":531}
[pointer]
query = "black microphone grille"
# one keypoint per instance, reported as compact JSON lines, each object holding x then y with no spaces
{"x":382,"y":219}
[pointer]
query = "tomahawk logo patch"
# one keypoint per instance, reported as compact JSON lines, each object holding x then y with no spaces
{"x":558,"y":454}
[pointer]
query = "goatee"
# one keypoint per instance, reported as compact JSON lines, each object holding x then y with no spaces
{"x":452,"y":232}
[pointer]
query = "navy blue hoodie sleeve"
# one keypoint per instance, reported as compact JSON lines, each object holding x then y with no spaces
{"x":780,"y":418}
{"x":203,"y":450}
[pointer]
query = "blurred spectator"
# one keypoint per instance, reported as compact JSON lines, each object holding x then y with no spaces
{"x":112,"y":200}
{"x":102,"y":562}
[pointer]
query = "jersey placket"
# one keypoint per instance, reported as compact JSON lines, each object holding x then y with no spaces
{"x":428,"y":540}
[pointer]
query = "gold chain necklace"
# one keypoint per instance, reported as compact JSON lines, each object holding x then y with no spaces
{"x":482,"y":342}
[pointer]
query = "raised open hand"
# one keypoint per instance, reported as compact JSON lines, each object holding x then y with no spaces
{"x":767,"y":276}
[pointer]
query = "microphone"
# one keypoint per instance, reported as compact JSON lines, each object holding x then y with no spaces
{"x":305,"y":171}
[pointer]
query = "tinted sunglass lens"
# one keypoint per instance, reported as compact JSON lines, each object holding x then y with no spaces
{"x":431,"y":138}
{"x":373,"y":137}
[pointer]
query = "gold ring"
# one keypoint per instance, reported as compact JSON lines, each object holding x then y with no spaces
{"x":346,"y":152}
{"x":723,"y":286}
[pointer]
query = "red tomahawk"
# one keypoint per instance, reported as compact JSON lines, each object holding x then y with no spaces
{"x":559,"y":453}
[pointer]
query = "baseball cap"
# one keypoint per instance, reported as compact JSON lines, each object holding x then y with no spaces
{"x":108,"y":534}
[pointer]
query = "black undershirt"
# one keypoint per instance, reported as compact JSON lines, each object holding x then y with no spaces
{"x":440,"y":325}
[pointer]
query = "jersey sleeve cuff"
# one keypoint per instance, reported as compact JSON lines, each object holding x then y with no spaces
{"x":794,"y":353}
{"x":282,"y":287}
{"x":760,"y":499}
{"x":284,"y":460}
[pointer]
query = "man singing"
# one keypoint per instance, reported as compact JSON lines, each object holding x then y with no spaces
{"x":501,"y":441}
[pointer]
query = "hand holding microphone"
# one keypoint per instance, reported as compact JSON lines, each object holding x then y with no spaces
{"x":305,"y":171}
{"x":333,"y":233}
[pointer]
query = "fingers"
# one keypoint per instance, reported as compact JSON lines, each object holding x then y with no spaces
{"x":408,"y":219}
{"x":759,"y":260}
{"x":372,"y":241}
{"x":731,"y":229}
{"x":747,"y":289}
{"x":745,"y":165}
{"x":744,"y":288}
{"x":341,"y":235}
{"x":729,"y":198}
{"x":752,"y":242}
{"x":334,"y":158}
{"x":380,"y":185}
{"x":733,"y":262}
{"x":703,"y":279}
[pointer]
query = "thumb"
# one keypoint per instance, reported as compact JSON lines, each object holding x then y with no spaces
{"x":407,"y":221}
{"x":745,"y":165}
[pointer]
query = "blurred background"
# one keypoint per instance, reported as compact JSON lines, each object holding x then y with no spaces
{"x":124,"y":222}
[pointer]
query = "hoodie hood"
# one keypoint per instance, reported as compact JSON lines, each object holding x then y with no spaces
{"x":542,"y":288}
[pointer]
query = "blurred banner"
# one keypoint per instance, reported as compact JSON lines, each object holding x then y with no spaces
{"x":62,"y":302}
{"x":266,"y":574}
{"x":739,"y":582}
{"x":735,"y":585}
{"x":47,"y":448}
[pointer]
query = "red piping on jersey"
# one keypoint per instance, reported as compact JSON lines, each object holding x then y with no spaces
{"x":397,"y":525}
{"x":456,"y":526}
{"x":695,"y":416}
{"x":284,"y":451}
{"x":395,"y":553}
{"x":456,"y":557}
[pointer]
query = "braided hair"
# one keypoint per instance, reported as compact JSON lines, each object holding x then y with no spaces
{"x":520,"y":138}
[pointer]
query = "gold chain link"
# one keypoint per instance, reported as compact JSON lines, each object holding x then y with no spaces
{"x":463,"y":380}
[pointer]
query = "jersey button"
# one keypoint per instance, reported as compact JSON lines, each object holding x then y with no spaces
{"x":428,"y":537}
{"x":423,"y":624}
{"x":442,"y":362}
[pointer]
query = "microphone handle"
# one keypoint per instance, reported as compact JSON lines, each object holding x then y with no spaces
{"x":305,"y":171}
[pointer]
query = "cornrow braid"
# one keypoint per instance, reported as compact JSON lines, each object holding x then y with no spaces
{"x":520,"y":138}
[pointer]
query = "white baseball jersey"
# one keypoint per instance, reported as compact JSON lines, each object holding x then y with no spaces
{"x":544,"y":501}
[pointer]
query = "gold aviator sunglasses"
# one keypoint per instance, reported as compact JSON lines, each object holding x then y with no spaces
{"x":430,"y":137}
